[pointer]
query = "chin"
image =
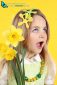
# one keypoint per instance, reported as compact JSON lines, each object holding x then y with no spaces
{"x":38,"y":51}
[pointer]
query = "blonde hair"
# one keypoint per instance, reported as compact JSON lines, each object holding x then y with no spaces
{"x":17,"y":19}
{"x":45,"y":54}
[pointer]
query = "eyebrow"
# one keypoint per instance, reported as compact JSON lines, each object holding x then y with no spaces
{"x":39,"y":27}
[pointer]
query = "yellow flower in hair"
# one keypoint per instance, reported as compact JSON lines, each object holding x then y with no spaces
{"x":25,"y":20}
{"x":28,"y":17}
{"x":10,"y":54}
{"x":30,"y":11}
{"x":14,"y":36}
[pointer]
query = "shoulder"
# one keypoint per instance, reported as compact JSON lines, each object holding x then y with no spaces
{"x":3,"y":75}
{"x":4,"y":68}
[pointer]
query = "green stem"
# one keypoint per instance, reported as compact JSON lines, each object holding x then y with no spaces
{"x":23,"y":55}
{"x":16,"y":73}
{"x":19,"y":66}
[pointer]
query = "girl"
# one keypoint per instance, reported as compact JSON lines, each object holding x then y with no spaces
{"x":36,"y":35}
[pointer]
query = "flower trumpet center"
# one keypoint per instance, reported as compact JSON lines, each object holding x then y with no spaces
{"x":13,"y":36}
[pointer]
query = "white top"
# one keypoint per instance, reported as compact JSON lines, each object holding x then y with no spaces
{"x":3,"y":75}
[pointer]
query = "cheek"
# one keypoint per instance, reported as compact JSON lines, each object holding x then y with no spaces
{"x":45,"y":39}
{"x":32,"y":38}
{"x":31,"y":41}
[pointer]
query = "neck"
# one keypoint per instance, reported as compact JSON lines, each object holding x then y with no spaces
{"x":30,"y":54}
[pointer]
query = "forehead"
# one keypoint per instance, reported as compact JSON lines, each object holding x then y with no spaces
{"x":38,"y":21}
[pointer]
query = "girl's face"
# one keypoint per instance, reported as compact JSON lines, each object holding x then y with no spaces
{"x":37,"y":36}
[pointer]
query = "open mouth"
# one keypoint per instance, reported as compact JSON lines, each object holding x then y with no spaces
{"x":40,"y":44}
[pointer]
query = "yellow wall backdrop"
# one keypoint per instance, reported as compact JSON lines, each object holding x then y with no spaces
{"x":48,"y":7}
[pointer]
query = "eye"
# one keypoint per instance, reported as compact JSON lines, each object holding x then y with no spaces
{"x":45,"y":30}
{"x":35,"y":30}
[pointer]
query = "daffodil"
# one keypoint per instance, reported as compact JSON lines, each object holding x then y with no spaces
{"x":10,"y":54}
{"x":1,"y":56}
{"x":14,"y":36}
{"x":27,"y":19}
{"x":3,"y":49}
{"x":30,"y":11}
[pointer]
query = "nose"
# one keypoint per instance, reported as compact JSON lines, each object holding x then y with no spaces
{"x":41,"y":35}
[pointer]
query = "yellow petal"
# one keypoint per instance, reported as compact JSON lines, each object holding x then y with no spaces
{"x":20,"y":31}
{"x":21,"y":16}
{"x":14,"y":44}
{"x":25,"y":21}
{"x":1,"y":56}
{"x":10,"y":54}
{"x":27,"y":26}
{"x":20,"y":23}
{"x":30,"y":19}
{"x":3,"y":47}
{"x":21,"y":38}
{"x":26,"y":16}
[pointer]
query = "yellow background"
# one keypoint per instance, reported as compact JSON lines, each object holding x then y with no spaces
{"x":48,"y":7}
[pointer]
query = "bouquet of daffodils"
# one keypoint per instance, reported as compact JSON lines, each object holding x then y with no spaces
{"x":9,"y":52}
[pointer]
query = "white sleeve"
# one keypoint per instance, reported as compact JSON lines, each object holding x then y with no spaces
{"x":50,"y":79}
{"x":3,"y":75}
